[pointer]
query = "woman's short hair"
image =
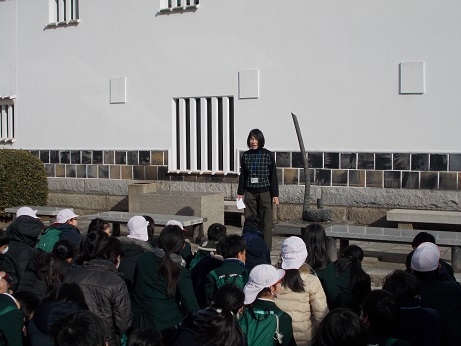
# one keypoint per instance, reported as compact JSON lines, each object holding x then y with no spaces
{"x":256,"y":133}
{"x":109,"y":248}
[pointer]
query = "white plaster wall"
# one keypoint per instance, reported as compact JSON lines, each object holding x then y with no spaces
{"x":334,"y":63}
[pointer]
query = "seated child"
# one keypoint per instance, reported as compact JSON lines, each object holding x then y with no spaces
{"x":257,"y":251}
{"x":232,"y":270}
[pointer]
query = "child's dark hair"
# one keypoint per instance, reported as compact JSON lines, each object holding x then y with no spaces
{"x":381,"y":312}
{"x":222,"y":328}
{"x":145,"y":337}
{"x":351,"y":260}
{"x":62,"y":251}
{"x":4,"y":239}
{"x":341,"y":327}
{"x":68,"y":293}
{"x":216,"y":232}
{"x":28,"y":302}
{"x":79,"y":329}
{"x":255,"y":222}
{"x":293,"y":280}
{"x":402,"y":285}
{"x":88,"y":244}
{"x":171,"y":240}
{"x":97,"y":225}
{"x":109,"y":248}
{"x":232,"y":245}
{"x":316,"y":243}
{"x":354,"y":251}
{"x":422,"y":237}
{"x":258,"y":135}
{"x":150,"y":227}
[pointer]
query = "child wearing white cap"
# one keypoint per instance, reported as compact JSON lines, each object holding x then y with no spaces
{"x":443,"y":296}
{"x":23,"y":233}
{"x":262,"y":318}
{"x":302,"y":295}
{"x":64,"y":228}
{"x":133,"y":246}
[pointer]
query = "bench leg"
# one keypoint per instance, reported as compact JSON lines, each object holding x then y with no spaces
{"x":456,"y":258}
{"x":343,"y":243}
{"x":197,"y":233}
{"x":115,"y":229}
{"x":405,"y":225}
{"x":332,"y":249}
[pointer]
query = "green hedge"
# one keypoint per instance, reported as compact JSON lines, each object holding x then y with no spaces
{"x":22,"y":179}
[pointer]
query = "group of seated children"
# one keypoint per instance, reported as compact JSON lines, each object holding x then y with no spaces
{"x":59,"y":288}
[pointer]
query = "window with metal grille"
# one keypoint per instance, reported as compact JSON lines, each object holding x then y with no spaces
{"x":7,"y":119}
{"x":64,"y":12}
{"x":203,"y":135}
{"x":170,"y":5}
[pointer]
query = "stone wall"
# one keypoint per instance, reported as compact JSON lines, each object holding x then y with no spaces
{"x":361,"y":205}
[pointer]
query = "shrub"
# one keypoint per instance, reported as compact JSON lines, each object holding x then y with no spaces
{"x":22,"y":179}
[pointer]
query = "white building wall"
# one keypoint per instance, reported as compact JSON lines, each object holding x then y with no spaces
{"x":333,"y":63}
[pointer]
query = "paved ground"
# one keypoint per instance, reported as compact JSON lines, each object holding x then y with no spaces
{"x":380,"y":258}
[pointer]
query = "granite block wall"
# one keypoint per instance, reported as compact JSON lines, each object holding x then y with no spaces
{"x":417,"y":171}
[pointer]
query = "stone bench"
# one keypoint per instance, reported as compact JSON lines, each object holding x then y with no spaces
{"x":231,"y":207}
{"x":396,"y":235}
{"x":41,"y":210}
{"x":193,"y":224}
{"x":407,"y":217}
{"x":145,"y":198}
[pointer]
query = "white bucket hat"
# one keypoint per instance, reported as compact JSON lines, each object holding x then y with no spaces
{"x":137,"y":228}
{"x":65,"y":215}
{"x":426,"y":257}
{"x":27,"y":211}
{"x":293,"y":253}
{"x":261,"y":276}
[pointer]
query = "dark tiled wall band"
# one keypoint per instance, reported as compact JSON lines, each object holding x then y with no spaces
{"x":378,"y":170}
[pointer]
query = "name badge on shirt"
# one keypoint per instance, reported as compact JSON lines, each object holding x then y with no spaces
{"x":254,"y":180}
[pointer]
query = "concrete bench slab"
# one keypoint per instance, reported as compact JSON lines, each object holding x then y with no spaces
{"x":41,"y":210}
{"x":117,"y":218}
{"x":406,"y":217}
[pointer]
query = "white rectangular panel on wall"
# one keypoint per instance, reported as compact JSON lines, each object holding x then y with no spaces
{"x":249,"y":84}
{"x":412,"y":79}
{"x":118,"y":90}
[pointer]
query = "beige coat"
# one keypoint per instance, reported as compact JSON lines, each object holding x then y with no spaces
{"x":307,"y":309}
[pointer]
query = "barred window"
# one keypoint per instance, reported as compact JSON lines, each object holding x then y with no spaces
{"x":203,"y":135}
{"x":170,"y":5}
{"x":63,"y":12}
{"x":7,"y":119}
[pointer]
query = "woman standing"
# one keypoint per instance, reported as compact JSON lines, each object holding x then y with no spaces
{"x":258,"y":184}
{"x":302,"y":295}
{"x":163,"y":294}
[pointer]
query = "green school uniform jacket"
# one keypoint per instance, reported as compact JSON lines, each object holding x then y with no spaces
{"x":285,"y":321}
{"x":229,"y":266}
{"x":150,"y":304}
{"x":11,"y":322}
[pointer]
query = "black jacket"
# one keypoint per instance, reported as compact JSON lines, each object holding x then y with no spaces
{"x":38,"y":329}
{"x":23,"y":232}
{"x":132,"y":250}
{"x":106,"y":295}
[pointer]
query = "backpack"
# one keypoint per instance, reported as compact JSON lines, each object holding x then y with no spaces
{"x":261,"y":327}
{"x":48,"y":238}
{"x":235,"y":279}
